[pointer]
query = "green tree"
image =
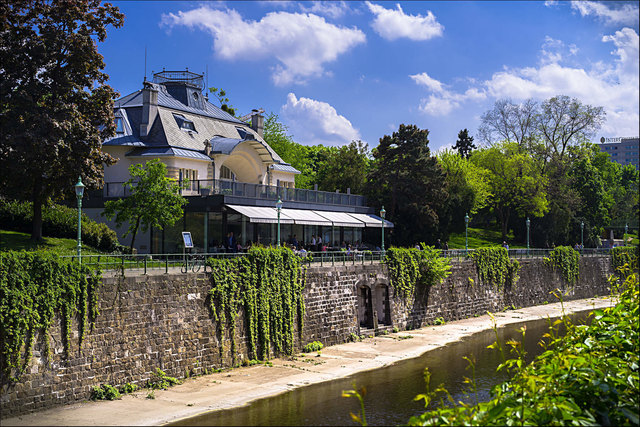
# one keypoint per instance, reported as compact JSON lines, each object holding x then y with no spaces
{"x":55,"y":105}
{"x":464,"y":144}
{"x":517,"y":186}
{"x":409,"y":182}
{"x":154,"y":200}
{"x":344,"y":167}
{"x":468,"y":188}
{"x":565,"y":121}
{"x":304,"y":158}
{"x":221,"y":94}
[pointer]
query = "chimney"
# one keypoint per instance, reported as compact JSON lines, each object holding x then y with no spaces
{"x":257,"y":122}
{"x":149,"y":107}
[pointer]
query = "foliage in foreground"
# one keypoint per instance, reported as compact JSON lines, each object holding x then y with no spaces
{"x":412,"y":269}
{"x":626,"y":255}
{"x":588,"y":377}
{"x":268,"y":285}
{"x":33,"y":287}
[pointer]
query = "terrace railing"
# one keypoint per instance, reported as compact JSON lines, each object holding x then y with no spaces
{"x":194,"y":262}
{"x":207,"y":187}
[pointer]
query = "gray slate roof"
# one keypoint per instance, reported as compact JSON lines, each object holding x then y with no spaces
{"x":166,"y":152}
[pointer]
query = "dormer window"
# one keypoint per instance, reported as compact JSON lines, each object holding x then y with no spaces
{"x":184,"y":123}
{"x":119,"y":125}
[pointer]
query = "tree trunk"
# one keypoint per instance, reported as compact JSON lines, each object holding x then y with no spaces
{"x":36,"y":230}
{"x":135,"y":231}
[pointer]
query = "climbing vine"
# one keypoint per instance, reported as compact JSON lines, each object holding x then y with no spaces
{"x":411,"y":268}
{"x":567,"y":260}
{"x":624,"y":255}
{"x":33,"y":287}
{"x":495,"y":267}
{"x":267,"y":284}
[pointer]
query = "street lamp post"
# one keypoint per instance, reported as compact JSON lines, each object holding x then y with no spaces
{"x":528,"y":225}
{"x":466,"y":236}
{"x":581,"y":236}
{"x":279,"y":208}
{"x":382,"y":214}
{"x":79,"y":187}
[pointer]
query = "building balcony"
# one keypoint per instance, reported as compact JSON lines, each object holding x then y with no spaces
{"x":253,"y":194}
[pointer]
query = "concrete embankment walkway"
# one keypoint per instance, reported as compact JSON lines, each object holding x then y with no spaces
{"x":240,"y":386}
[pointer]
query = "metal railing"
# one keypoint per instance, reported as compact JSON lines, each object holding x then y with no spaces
{"x":195,"y":262}
{"x":207,"y":187}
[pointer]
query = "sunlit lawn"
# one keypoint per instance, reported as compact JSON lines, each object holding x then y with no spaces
{"x":15,"y":240}
{"x":480,"y":237}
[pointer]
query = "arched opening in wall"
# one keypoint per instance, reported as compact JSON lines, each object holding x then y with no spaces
{"x":365,"y":307}
{"x":383,"y":306}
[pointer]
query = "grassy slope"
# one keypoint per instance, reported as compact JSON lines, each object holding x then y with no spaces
{"x":480,"y":237}
{"x":14,"y":240}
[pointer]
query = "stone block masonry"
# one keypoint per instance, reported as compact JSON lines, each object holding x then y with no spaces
{"x":163,"y":321}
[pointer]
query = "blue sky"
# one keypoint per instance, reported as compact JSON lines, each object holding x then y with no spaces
{"x":337,"y":71}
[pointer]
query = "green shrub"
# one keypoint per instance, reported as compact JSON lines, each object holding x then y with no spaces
{"x":57,"y":221}
{"x":495,"y":267}
{"x":268,"y":284}
{"x":128,"y":388}
{"x":160,"y":380}
{"x":411,"y":268}
{"x":33,"y":287}
{"x":567,"y":260}
{"x":105,"y":392}
{"x":313,"y":346}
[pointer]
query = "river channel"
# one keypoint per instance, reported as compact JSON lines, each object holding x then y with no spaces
{"x":390,"y":390}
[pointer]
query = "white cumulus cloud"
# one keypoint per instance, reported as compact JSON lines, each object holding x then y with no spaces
{"x":393,"y":24}
{"x":302,"y":44}
{"x":614,"y":86}
{"x":442,"y":100}
{"x":315,"y":122}
{"x":332,"y":9}
{"x":625,"y":15}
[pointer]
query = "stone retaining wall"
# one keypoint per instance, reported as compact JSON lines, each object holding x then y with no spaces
{"x":163,"y":321}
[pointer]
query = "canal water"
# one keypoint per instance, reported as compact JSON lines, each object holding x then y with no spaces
{"x":390,"y":390}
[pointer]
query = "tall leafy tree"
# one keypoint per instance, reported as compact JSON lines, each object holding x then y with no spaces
{"x":154,"y":200}
{"x":511,"y":122}
{"x":464,"y":144}
{"x":517,"y":186}
{"x":55,"y":105}
{"x":468,"y":188}
{"x":409,"y":182}
{"x":344,"y":167}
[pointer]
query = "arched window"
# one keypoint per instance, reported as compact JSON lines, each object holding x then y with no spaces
{"x":226,"y":173}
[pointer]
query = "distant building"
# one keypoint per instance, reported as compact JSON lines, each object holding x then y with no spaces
{"x":622,"y":150}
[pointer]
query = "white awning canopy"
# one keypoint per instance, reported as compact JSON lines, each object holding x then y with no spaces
{"x":340,"y":219}
{"x":371,"y":220}
{"x":305,"y":217}
{"x":261,"y":214}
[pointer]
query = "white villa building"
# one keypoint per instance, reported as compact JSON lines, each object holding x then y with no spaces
{"x":234,"y":177}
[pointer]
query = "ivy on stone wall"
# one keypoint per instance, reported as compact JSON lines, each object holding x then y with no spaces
{"x":33,"y":287}
{"x":495,"y":267}
{"x":411,"y":268}
{"x":625,"y":255}
{"x":267,"y":284}
{"x":567,"y":260}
